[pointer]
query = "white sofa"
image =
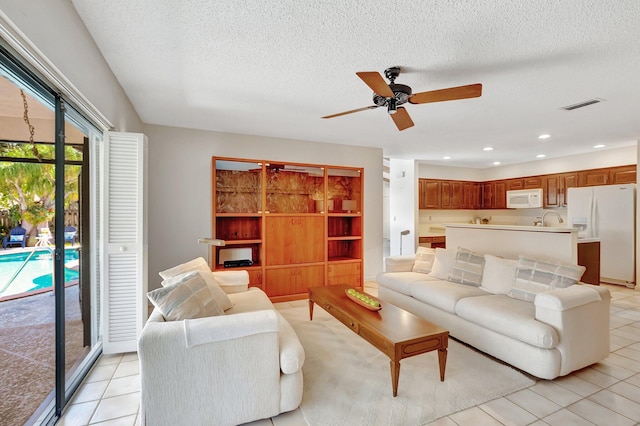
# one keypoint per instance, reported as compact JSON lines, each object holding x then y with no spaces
{"x":228,"y":369}
{"x":560,"y":331}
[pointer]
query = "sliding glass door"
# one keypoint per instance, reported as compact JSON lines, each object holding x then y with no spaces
{"x":49,"y":329}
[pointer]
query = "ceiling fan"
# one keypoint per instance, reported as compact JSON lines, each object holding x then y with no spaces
{"x":393,"y":95}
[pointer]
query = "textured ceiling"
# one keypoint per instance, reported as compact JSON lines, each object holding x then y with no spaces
{"x":273,"y":68}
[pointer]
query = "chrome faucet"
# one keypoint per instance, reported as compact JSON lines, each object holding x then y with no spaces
{"x":554,"y":212}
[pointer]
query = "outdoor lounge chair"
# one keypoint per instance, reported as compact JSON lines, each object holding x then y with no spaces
{"x":17,"y":237}
{"x":70,"y":234}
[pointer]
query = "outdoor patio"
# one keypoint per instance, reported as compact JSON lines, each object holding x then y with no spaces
{"x":27,"y":351}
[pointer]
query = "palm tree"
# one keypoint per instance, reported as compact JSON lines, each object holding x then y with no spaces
{"x":29,"y":188}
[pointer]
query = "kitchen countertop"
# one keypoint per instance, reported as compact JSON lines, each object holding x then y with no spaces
{"x":515,"y":227}
{"x":588,"y":240}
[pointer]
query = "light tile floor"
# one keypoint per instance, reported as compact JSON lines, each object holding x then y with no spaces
{"x":607,"y":393}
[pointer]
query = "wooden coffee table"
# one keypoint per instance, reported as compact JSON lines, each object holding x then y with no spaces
{"x":397,"y":333}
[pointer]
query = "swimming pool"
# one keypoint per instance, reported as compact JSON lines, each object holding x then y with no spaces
{"x":37,"y":273}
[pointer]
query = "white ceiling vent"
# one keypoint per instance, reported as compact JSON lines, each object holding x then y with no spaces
{"x":582,"y":104}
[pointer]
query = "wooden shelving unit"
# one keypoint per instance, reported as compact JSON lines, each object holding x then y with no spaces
{"x":300,"y":224}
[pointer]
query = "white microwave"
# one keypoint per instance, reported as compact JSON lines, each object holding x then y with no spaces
{"x":524,"y":198}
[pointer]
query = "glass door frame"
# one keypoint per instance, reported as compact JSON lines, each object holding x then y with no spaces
{"x":64,"y":387}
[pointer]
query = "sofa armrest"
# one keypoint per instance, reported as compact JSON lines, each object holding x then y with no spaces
{"x":291,"y":351}
{"x":201,"y":331}
{"x":580,"y":315}
{"x":402,"y":263}
{"x":566,"y":298}
{"x":237,"y":372}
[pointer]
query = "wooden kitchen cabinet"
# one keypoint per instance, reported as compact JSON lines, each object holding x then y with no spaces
{"x":623,"y":174}
{"x":594,"y":177}
{"x":488,"y":188}
{"x":452,"y":194}
{"x":433,"y":241}
{"x":555,"y":188}
{"x":429,"y":193}
{"x":589,"y":257}
{"x":532,"y":182}
{"x":472,"y":192}
{"x":500,"y":198}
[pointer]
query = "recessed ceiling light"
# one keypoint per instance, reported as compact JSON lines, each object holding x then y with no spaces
{"x":540,"y":156}
{"x":545,"y":136}
{"x":446,"y":157}
{"x":599,"y":146}
{"x":496,"y":163}
{"x":487,"y":148}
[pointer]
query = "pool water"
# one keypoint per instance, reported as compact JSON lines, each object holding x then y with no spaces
{"x":37,"y":273}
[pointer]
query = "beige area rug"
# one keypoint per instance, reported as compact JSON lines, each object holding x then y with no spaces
{"x":348,"y":382}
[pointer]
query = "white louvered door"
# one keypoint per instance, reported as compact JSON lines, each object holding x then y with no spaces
{"x":124,"y":240}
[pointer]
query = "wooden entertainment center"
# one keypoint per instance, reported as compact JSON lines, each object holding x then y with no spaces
{"x":300,"y":225}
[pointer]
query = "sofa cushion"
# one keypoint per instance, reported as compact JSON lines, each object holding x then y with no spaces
{"x":424,"y":260}
{"x":402,"y":281}
{"x":508,"y":316}
{"x":443,"y":262}
{"x":443,"y":294}
{"x":534,"y":276}
{"x":498,"y":275}
{"x":467,"y":268}
{"x":190,"y":298}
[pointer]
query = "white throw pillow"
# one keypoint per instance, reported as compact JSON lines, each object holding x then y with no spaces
{"x":187,"y":299}
{"x":443,"y":263}
{"x":467,"y":268}
{"x":534,"y":276}
{"x":425,"y":257}
{"x":200,"y":265}
{"x":197,"y":264}
{"x":216,"y":291}
{"x":499,"y":274}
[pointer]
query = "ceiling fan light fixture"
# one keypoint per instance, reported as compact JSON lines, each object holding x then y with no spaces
{"x":392,"y":107}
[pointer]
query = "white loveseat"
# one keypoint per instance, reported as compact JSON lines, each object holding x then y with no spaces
{"x":235,"y":367}
{"x":559,"y":331}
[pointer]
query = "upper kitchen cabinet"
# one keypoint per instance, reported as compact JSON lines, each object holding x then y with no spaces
{"x":608,"y":176}
{"x":451,"y":194}
{"x":555,"y":188}
{"x":429,"y":194}
{"x":623,"y":174}
{"x":472,"y":195}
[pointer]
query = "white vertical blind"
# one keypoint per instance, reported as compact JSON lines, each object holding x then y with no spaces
{"x":124,"y":240}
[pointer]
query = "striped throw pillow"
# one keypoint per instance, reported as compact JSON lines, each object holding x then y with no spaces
{"x":467,"y":268}
{"x":534,"y":276}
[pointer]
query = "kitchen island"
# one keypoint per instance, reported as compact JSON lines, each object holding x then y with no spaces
{"x":559,"y":244}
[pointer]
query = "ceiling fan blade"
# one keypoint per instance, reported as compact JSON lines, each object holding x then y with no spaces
{"x":450,"y":94}
{"x":375,"y":81}
{"x":402,"y":119}
{"x":351,"y":112}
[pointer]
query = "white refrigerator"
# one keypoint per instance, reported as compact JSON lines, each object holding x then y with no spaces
{"x":608,"y":214}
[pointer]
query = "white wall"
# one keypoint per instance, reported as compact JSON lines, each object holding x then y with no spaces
{"x":180,"y":160}
{"x":180,"y":187}
{"x":593,"y":160}
{"x":403,"y":205}
{"x":55,"y":29}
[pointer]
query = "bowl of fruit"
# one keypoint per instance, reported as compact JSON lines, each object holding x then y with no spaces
{"x":363,"y":299}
